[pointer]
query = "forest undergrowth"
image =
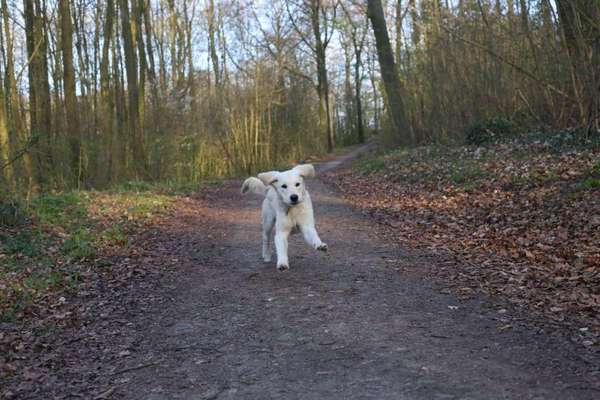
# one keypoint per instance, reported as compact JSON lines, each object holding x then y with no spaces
{"x":52,"y":245}
{"x":520,"y":218}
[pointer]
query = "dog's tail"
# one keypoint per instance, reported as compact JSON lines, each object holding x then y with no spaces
{"x":254,"y":185}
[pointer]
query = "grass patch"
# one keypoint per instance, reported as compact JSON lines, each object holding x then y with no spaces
{"x":371,"y":165}
{"x":12,"y":214}
{"x":115,"y":236}
{"x":43,"y":245}
{"x":589,"y":183}
{"x":25,"y":242}
{"x":592,"y":180}
{"x":78,"y":245}
{"x":169,"y":188}
{"x":65,"y":209}
{"x":465,"y":172}
{"x":436,"y":166}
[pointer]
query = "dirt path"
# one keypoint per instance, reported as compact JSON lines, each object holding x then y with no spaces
{"x":364,"y":321}
{"x":359,"y":322}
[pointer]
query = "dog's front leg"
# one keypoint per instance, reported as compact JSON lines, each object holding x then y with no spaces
{"x":281,"y":246}
{"x":312,"y":237}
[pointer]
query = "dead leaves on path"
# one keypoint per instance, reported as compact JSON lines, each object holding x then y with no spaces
{"x":522,"y":220}
{"x":56,"y":327}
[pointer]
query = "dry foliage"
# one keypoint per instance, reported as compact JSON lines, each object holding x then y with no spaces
{"x":63,"y":241}
{"x":522,"y":217}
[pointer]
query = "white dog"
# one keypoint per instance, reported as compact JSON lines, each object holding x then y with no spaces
{"x":287,"y":207}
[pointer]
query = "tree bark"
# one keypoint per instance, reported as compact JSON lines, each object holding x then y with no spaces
{"x":39,"y":87}
{"x":5,"y":166}
{"x":322,"y":81}
{"x":106,"y":99}
{"x":358,"y":102}
{"x":70,"y":97}
{"x":389,"y":73}
{"x":579,"y":22}
{"x":214,"y":57}
{"x":133,"y":100}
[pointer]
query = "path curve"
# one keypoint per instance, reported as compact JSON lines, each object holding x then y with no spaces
{"x":363,"y":321}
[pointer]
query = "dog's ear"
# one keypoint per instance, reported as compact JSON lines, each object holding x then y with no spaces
{"x":305,"y":170}
{"x":268,"y":177}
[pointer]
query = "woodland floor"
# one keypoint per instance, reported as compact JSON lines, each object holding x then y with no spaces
{"x":193,"y":313}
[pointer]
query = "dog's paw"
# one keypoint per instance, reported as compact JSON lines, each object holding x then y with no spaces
{"x":282,"y":267}
{"x":322,"y":247}
{"x":266,"y":259}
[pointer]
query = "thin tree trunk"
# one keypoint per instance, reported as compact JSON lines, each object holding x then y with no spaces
{"x":398,"y":26}
{"x":579,"y":22}
{"x":347,"y":127}
{"x":133,"y":100}
{"x":322,"y":81}
{"x":389,"y":73}
{"x":214,"y":57}
{"x":71,"y":112}
{"x":358,"y":102}
{"x":16,"y":125}
{"x":39,"y":88}
{"x":106,"y":99}
{"x":173,"y":41}
{"x":5,"y":167}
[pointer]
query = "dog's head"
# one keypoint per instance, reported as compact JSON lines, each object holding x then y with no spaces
{"x":289,"y":185}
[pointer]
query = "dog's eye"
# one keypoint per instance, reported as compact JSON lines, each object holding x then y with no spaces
{"x":297,"y":184}
{"x":284,"y":186}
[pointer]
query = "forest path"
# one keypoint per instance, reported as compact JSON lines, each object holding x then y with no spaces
{"x":363,"y":321}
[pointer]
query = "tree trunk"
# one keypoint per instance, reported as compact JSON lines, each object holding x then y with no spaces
{"x":71,"y":112}
{"x":16,"y":125}
{"x":398,"y":26}
{"x":347,"y":126}
{"x":389,"y":73}
{"x":137,"y":9}
{"x":133,"y":100}
{"x":579,"y":22}
{"x":357,"y":86}
{"x":106,"y":100}
{"x":39,"y":88}
{"x":322,"y":82}
{"x":214,"y":57}
{"x":6,"y":178}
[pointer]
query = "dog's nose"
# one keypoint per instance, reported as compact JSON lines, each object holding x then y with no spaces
{"x":294,"y":198}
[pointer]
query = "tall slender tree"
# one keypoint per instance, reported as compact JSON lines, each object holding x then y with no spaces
{"x":133,"y":93}
{"x":71,"y":112}
{"x":389,"y":73}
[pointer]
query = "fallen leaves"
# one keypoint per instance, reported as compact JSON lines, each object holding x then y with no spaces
{"x":54,"y":321}
{"x":514,"y":215}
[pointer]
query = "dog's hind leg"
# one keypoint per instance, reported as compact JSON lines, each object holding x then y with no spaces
{"x":267,"y":235}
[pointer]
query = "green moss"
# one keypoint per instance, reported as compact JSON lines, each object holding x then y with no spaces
{"x":12,"y":214}
{"x":589,"y":183}
{"x":371,"y":165}
{"x":115,"y":236}
{"x":25,"y":242}
{"x":79,"y":245}
{"x":490,"y":130}
{"x":73,"y":225}
{"x":465,"y":172}
{"x":62,"y":209}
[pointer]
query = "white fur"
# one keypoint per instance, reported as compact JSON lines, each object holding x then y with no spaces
{"x":287,"y":208}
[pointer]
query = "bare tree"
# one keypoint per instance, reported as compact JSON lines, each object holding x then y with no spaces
{"x":320,"y":17}
{"x":71,"y":112}
{"x":389,"y":73}
{"x":358,"y":27}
